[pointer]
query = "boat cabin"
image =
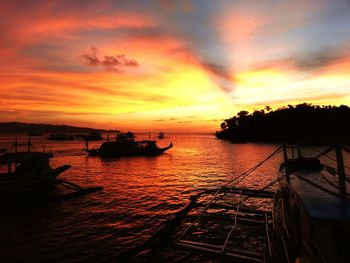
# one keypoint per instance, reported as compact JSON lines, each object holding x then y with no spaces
{"x":23,"y":162}
{"x":26,"y":173}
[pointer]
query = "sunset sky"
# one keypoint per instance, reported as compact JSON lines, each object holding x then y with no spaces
{"x":168,"y":65}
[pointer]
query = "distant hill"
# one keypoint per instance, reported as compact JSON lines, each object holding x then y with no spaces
{"x":303,"y":123}
{"x":45,"y":128}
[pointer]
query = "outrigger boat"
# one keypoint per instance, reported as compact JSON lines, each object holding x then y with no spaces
{"x":161,"y":135}
{"x":61,"y":137}
{"x":125,"y":145}
{"x":307,"y":218}
{"x":26,"y":173}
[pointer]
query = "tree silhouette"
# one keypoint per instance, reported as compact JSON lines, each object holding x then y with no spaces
{"x":304,"y":123}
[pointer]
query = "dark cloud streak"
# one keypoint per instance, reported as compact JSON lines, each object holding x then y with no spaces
{"x":110,"y":63}
{"x":307,"y":62}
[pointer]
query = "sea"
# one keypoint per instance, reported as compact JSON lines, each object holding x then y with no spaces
{"x":139,"y":194}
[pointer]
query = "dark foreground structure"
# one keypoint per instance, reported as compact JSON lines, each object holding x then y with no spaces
{"x":27,"y":176}
{"x":306,"y":217}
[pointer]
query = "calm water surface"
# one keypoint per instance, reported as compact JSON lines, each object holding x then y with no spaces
{"x":139,"y":193}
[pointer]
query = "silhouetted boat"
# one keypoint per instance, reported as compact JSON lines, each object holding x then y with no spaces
{"x":125,"y":145}
{"x":161,"y":135}
{"x":93,"y":136}
{"x":61,"y":137}
{"x":35,"y":134}
{"x":26,"y":174}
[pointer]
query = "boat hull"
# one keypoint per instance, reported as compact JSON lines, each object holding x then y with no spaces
{"x":118,"y":152}
{"x":13,"y":186}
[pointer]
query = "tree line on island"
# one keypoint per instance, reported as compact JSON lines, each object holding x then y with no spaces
{"x":302,"y":123}
{"x":10,"y":127}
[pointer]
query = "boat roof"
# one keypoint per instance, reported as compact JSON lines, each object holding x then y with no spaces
{"x":318,"y":192}
{"x":18,"y":157}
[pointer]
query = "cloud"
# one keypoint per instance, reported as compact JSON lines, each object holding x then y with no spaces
{"x":110,"y":63}
{"x":319,"y":60}
{"x":185,"y":5}
{"x":307,"y":62}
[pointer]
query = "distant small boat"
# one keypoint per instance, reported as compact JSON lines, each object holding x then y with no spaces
{"x":35,"y":134}
{"x":93,"y":136}
{"x":61,"y":137}
{"x":125,"y":145}
{"x":28,"y":173}
{"x":161,"y":135}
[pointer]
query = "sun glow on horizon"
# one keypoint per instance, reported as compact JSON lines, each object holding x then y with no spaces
{"x":131,"y":66}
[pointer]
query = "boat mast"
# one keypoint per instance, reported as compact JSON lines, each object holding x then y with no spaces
{"x":29,"y":144}
{"x":340,"y":171}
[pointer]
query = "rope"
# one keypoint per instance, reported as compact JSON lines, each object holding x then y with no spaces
{"x":235,"y":224}
{"x":252,"y":169}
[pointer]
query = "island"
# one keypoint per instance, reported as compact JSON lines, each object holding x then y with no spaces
{"x":302,"y":123}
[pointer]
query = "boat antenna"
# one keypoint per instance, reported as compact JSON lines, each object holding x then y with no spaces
{"x":86,"y":143}
{"x":29,"y":144}
{"x":16,"y":144}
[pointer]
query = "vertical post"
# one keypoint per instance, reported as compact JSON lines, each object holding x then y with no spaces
{"x":108,"y":137}
{"x":299,"y":153}
{"x":285,"y":156}
{"x":340,"y":171}
{"x":28,"y":143}
{"x":16,"y":144}
{"x":285,"y":152}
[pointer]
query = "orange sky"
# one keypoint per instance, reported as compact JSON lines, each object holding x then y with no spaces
{"x":171,"y":66}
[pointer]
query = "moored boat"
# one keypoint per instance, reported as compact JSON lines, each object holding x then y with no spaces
{"x":35,"y":134}
{"x":161,"y":135}
{"x":61,"y":137}
{"x":26,"y":174}
{"x":125,"y":145}
{"x":93,"y":136}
